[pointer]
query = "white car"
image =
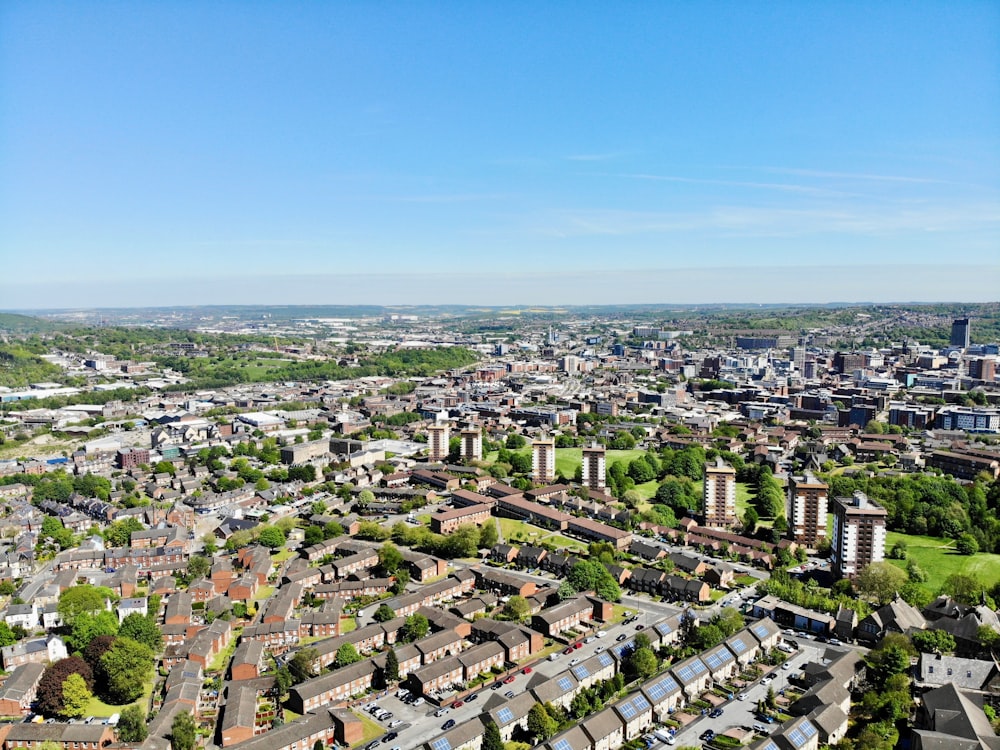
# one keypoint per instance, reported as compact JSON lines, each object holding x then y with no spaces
{"x":743,"y":696}
{"x":395,"y":723}
{"x":767,"y":680}
{"x":601,"y":633}
{"x":419,"y":701}
{"x":574,"y":662}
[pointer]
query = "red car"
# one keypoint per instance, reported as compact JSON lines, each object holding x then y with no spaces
{"x":511,"y":678}
{"x":457,"y":704}
{"x":569,"y":650}
{"x":526,"y":670}
{"x":577,"y":645}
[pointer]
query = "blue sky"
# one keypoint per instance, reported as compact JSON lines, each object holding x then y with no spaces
{"x":514,"y":152}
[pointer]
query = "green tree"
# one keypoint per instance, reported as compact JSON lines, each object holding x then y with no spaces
{"x":76,"y":696}
{"x":488,"y":535}
{"x":415,"y":628}
{"x":87,"y":627}
{"x":82,"y":599}
{"x":729,"y":620}
{"x":198,"y":566}
{"x":132,"y":724}
{"x":7,"y":636}
{"x":967,"y":545}
{"x":881,"y":581}
{"x":643,"y":662}
{"x":346,"y":654}
{"x":516,"y":609}
{"x":565,"y":590}
{"x":384,"y":613}
{"x":389,"y":558}
{"x":142,"y":628}
{"x":302,"y":666}
{"x":183,"y":732}
{"x":933,"y":641}
{"x":540,"y":725}
{"x":391,"y":666}
{"x":491,"y":737}
{"x":271,"y":537}
{"x":283,"y":681}
{"x":127,"y":666}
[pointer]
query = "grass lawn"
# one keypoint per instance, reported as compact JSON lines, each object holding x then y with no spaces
{"x":347,"y":624}
{"x":939,"y":560}
{"x":742,"y":498}
{"x":523,"y":531}
{"x":425,"y":519}
{"x":647,"y":490}
{"x":620,"y":612}
{"x":565,"y":542}
{"x":221,"y":661}
{"x":371,"y":729}
{"x":99,"y":708}
{"x":264,"y":592}
{"x":282,"y":555}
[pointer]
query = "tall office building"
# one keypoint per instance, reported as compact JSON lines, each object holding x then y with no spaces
{"x":806,"y":510}
{"x":472,"y":444}
{"x":960,"y":333}
{"x":543,"y":461}
{"x":594,"y":468}
{"x":858,"y":534}
{"x":437,"y":442}
{"x":719,"y":497}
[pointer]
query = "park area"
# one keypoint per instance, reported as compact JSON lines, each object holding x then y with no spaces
{"x":939,"y":559}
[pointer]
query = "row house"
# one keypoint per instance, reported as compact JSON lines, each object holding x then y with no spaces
{"x":177,"y":635}
{"x":282,"y":605}
{"x":502,"y":583}
{"x":530,"y":556}
{"x":354,"y":564}
{"x":324,"y":727}
{"x":558,"y":690}
{"x":239,"y":717}
{"x":442,"y":620}
{"x":636,"y":714}
{"x":510,"y":714}
{"x":405,"y":605}
{"x":601,"y":532}
{"x":595,"y":669}
{"x":744,"y":647}
{"x":19,"y":690}
{"x":31,"y":736}
{"x":517,"y":506}
{"x":481,"y":658}
{"x":339,"y":685}
{"x":307,"y":578}
{"x":256,"y":561}
{"x":439,"y":646}
{"x":319,"y":624}
{"x":693,"y":675}
{"x":565,"y":616}
{"x":423,"y":567}
{"x":437,"y":676}
{"x":210,"y":642}
{"x":604,"y":730}
{"x":125,"y":581}
{"x":353,"y":589}
{"x":170,"y":536}
{"x":505,"y":553}
{"x":36,"y":651}
{"x":466,"y":736}
{"x":686,"y":590}
{"x":243,"y":589}
{"x":318,"y":551}
{"x":163,"y":586}
{"x":202,"y":590}
{"x":276,"y":636}
{"x":448,"y":521}
{"x":408,"y":657}
{"x":667,"y":632}
{"x":664,"y":694}
{"x":476,"y":605}
{"x":720,"y":662}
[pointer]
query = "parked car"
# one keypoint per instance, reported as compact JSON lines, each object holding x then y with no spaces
{"x":448,"y":725}
{"x":589,"y":639}
{"x":707,"y":736}
{"x":496,"y":686}
{"x":715,"y":713}
{"x":509,"y":694}
{"x":473,"y":697}
{"x":767,"y":680}
{"x":743,"y":696}
{"x":508,"y":680}
{"x":622,"y":637}
{"x":458,"y":704}
{"x":419,"y":701}
{"x":578,"y":645}
{"x":441,"y":712}
{"x":601,"y":633}
{"x":640,"y":626}
{"x":526,"y":670}
{"x":394,"y":724}
{"x":568,"y":650}
{"x":390,"y":737}
{"x":599,"y":649}
{"x":786,"y":665}
{"x":372,"y":745}
{"x":574,"y":662}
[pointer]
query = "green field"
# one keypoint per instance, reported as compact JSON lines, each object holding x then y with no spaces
{"x":567,"y":459}
{"x":99,"y":708}
{"x":939,"y":560}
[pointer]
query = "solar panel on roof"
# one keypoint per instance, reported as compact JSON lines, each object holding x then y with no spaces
{"x":505,"y":715}
{"x":697,"y":666}
{"x":685,"y":673}
{"x":738,"y":645}
{"x":656,"y":691}
{"x":565,"y":684}
{"x":807,"y":728}
{"x":441,"y":744}
{"x":760,"y":629}
{"x":640,"y":702}
{"x":627,"y":709}
{"x":796,"y":738}
{"x":713,"y":660}
{"x":561,"y":744}
{"x":580,"y":671}
{"x":604,"y":659}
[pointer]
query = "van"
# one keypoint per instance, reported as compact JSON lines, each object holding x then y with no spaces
{"x":663,"y":735}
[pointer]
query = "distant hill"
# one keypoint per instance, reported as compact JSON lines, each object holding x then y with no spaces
{"x":13,"y":323}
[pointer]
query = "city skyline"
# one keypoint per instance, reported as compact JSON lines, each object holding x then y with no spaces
{"x":756,"y":153}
